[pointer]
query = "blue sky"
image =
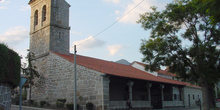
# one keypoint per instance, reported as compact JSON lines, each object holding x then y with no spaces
{"x":87,"y":19}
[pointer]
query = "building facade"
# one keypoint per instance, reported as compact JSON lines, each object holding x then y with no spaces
{"x":106,"y":84}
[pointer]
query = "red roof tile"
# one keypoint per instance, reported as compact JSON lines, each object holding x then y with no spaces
{"x":116,"y":69}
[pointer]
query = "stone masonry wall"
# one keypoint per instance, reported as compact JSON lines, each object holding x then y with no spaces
{"x":5,"y":96}
{"x":57,"y":81}
{"x":53,"y":33}
{"x":40,"y":33}
{"x":59,"y":26}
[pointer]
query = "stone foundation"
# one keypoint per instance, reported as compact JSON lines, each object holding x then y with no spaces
{"x":5,"y":97}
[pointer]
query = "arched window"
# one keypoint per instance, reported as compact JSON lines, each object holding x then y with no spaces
{"x":44,"y":13}
{"x":36,"y":18}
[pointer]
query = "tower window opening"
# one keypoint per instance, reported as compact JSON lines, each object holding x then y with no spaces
{"x":44,"y":13}
{"x":36,"y":18}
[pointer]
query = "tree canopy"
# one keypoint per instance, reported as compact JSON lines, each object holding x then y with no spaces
{"x":10,"y":64}
{"x":210,"y":8}
{"x":186,"y":39}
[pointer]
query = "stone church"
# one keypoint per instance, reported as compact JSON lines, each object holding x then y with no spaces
{"x":106,"y":84}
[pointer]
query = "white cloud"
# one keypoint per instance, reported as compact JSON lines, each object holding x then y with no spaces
{"x":14,"y":35}
{"x":113,"y":49}
{"x":2,"y":1}
{"x":88,"y":43}
{"x":23,"y":8}
{"x":113,"y":1}
{"x":137,"y":7}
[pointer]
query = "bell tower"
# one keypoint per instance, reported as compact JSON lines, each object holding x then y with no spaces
{"x":49,"y":26}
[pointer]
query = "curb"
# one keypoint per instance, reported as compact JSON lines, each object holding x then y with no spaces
{"x":28,"y":108}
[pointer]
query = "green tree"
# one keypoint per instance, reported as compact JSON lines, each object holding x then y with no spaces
{"x":31,"y":72}
{"x":210,"y":8}
{"x":10,"y":63}
{"x":180,"y":23}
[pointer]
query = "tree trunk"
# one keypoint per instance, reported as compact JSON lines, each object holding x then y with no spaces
{"x":208,"y":96}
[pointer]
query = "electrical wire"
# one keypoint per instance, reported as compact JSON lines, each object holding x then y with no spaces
{"x":111,"y":24}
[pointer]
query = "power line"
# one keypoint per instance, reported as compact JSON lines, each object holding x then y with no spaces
{"x":111,"y":24}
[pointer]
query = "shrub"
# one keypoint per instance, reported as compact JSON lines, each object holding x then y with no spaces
{"x":35,"y":104}
{"x":24,"y":95}
{"x":48,"y":104}
{"x":31,"y":102}
{"x":59,"y":104}
{"x":70,"y":106}
{"x":42,"y":103}
{"x":89,"y":106}
{"x":15,"y":100}
{"x":10,"y":64}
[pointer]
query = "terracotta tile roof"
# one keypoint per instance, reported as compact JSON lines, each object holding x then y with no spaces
{"x":112,"y":68}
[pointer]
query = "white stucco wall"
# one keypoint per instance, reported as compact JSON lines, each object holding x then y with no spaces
{"x":189,"y":92}
{"x":142,"y":68}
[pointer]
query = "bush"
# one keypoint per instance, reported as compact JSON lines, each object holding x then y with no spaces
{"x":59,"y":104}
{"x":42,"y":103}
{"x":10,"y":64}
{"x":89,"y":106}
{"x":35,"y":104}
{"x":24,"y":95}
{"x":31,"y":102}
{"x":15,"y":100}
{"x":70,"y":106}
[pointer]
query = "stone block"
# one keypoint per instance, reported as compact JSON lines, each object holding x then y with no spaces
{"x":92,"y":97}
{"x":5,"y":97}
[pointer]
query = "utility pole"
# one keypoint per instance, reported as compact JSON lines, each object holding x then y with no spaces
{"x":75,"y":82}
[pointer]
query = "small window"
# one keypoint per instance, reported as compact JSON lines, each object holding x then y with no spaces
{"x":44,"y":13}
{"x":193,"y":97}
{"x":36,"y":18}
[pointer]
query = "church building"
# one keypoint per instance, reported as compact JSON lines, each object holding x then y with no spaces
{"x":106,"y":84}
